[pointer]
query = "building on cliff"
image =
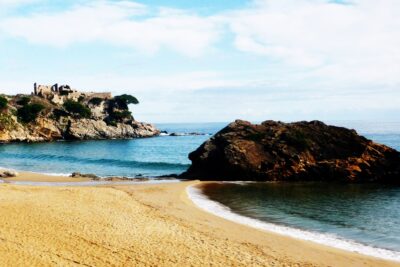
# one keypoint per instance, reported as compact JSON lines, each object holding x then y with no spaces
{"x":59,"y":94}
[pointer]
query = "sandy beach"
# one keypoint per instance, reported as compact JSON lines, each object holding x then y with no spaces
{"x":140,"y":225}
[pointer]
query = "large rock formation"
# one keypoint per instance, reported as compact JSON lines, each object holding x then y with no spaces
{"x":301,"y":151}
{"x":36,"y":119}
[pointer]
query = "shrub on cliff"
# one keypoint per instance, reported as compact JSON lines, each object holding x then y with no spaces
{"x":3,"y":102}
{"x":24,"y":101}
{"x":96,"y":101}
{"x":122,"y":101}
{"x":77,"y":109}
{"x":29,"y":112}
{"x":118,"y":109}
{"x":6,"y":122}
{"x":58,"y":113}
{"x":118,"y":116}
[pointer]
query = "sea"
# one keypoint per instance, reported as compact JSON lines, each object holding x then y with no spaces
{"x":360,"y":218}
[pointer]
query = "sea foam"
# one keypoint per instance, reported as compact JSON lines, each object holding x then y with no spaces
{"x":202,"y":201}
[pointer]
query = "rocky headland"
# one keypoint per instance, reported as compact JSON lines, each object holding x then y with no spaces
{"x":60,"y":113}
{"x":300,"y":151}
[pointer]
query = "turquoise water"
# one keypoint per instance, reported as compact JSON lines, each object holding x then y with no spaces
{"x":149,"y":157}
{"x":367,"y":214}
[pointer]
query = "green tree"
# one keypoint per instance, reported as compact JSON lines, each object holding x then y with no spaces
{"x":29,"y":112}
{"x":3,"y":102}
{"x":77,"y":109}
{"x":24,"y":101}
{"x":96,"y":101}
{"x":124,"y":100}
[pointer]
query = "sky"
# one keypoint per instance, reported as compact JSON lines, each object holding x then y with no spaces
{"x":212,"y":60}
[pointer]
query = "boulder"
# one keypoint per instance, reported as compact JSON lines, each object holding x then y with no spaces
{"x":8,"y":173}
{"x":84,"y":175}
{"x":300,"y":151}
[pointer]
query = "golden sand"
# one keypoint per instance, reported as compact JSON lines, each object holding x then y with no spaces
{"x":141,"y":225}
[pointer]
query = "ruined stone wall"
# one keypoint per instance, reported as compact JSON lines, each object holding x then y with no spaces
{"x":59,"y":94}
{"x":44,"y":90}
{"x":99,"y":95}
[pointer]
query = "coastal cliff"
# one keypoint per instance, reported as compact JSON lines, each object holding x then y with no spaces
{"x":61,"y":113}
{"x":300,"y":151}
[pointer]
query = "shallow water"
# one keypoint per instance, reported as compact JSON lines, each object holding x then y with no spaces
{"x":147,"y":157}
{"x":368,"y":214}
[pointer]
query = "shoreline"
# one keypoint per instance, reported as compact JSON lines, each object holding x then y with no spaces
{"x":60,"y":179}
{"x":164,"y":204}
{"x":28,"y":176}
{"x":203,"y":202}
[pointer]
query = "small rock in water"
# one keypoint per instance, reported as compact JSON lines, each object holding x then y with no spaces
{"x":76,"y":174}
{"x":83,"y":175}
{"x":8,"y":173}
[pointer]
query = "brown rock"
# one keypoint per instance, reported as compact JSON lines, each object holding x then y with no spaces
{"x":301,"y":151}
{"x":8,"y":173}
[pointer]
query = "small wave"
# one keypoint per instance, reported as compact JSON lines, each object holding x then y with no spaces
{"x":53,"y":173}
{"x":202,"y":201}
{"x":115,"y":162}
{"x":45,"y":173}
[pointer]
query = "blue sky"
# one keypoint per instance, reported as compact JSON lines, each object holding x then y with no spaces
{"x":199,"y":61}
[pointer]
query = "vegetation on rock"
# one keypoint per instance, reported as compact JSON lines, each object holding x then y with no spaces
{"x":118,"y":109}
{"x":29,"y":112}
{"x":3,"y":102}
{"x":77,"y":108}
{"x":24,"y":101}
{"x":6,"y":122}
{"x":69,"y":115}
{"x":96,"y":101}
{"x":122,"y":101}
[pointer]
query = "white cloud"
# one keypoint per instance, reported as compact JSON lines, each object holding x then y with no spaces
{"x":120,"y":23}
{"x":305,"y":33}
{"x":356,"y":41}
{"x":312,"y":58}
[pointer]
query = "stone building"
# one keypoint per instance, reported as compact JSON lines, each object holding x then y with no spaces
{"x":59,"y":94}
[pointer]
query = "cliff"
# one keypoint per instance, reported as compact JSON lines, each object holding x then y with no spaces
{"x":69,"y":115}
{"x":301,"y":151}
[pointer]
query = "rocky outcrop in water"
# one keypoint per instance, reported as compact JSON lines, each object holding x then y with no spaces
{"x":74,"y":116}
{"x":8,"y":173}
{"x":300,"y":151}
